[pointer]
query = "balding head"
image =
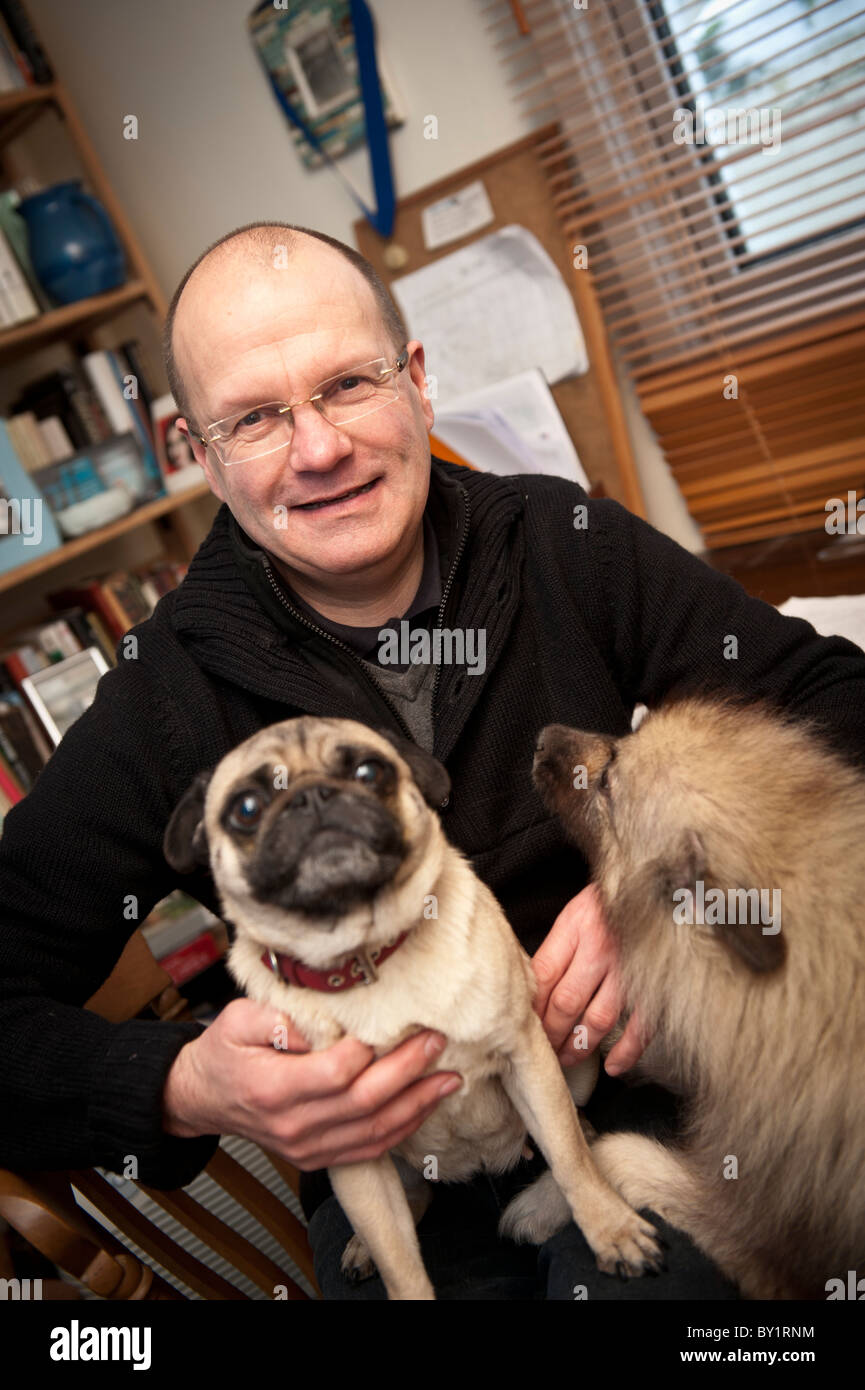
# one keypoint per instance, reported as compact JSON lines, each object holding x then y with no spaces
{"x":262,"y":246}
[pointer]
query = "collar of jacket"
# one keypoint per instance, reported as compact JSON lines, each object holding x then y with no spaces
{"x":231,"y":620}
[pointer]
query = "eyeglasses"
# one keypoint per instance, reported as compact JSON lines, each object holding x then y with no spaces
{"x":254,"y":433}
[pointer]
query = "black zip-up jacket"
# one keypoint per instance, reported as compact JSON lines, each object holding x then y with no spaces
{"x":581,"y":624}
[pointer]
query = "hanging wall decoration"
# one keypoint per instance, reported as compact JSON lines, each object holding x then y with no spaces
{"x":321,"y":61}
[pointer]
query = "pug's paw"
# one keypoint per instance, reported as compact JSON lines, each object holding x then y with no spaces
{"x":357,"y":1263}
{"x":536,"y":1213}
{"x":628,"y":1247}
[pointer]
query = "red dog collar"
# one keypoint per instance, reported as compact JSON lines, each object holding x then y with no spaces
{"x":357,"y":970}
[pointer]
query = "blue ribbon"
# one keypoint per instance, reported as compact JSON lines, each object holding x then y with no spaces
{"x":382,"y":217}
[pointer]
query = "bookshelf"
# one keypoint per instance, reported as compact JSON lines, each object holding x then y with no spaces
{"x":42,"y":142}
{"x":182,"y":522}
{"x":82,"y":545}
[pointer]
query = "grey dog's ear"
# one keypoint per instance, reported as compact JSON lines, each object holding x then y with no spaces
{"x":744,"y":941}
{"x":429,"y":774}
{"x":184,"y":843}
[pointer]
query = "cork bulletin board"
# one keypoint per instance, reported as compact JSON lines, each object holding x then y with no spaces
{"x":517,"y":187}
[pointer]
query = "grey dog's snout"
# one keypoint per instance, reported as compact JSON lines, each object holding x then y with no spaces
{"x":310,"y":798}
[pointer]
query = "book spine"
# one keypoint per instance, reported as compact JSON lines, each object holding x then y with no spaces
{"x":142,"y":431}
{"x":25,"y":36}
{"x":15,"y":283}
{"x":57,"y":441}
{"x":87,"y":409}
{"x":12,"y":761}
{"x":109,"y":393}
{"x":16,"y":726}
{"x":35,"y":737}
{"x":131,"y":351}
{"x":10,"y":787}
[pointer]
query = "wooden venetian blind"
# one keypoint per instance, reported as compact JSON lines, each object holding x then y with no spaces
{"x":710,"y":158}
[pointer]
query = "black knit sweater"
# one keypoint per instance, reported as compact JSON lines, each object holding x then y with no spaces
{"x":581,"y":624}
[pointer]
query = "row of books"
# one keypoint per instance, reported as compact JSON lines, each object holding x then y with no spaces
{"x":102,"y":395}
{"x":95,"y":614}
{"x":83,"y":445}
{"x":22,"y":59}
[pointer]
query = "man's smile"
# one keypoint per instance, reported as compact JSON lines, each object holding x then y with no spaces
{"x":336,"y":499}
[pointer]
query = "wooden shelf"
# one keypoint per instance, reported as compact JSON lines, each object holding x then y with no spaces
{"x":71,"y":549}
{"x":56,"y":323}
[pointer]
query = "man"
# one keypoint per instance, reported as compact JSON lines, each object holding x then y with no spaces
{"x":332,"y":529}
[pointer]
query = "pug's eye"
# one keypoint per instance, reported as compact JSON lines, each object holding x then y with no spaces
{"x":369,"y":771}
{"x":246,"y":811}
{"x":604,"y":781}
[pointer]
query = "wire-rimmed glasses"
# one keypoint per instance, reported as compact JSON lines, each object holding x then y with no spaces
{"x":255,"y":432}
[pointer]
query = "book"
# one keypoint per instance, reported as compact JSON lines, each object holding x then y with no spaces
{"x":24,"y":36}
{"x":28,"y":527}
{"x":90,"y":594}
{"x":14,"y":284}
{"x":10,"y":787}
{"x":56,"y":440}
{"x":66,"y":394}
{"x":14,"y":69}
{"x":15,"y":227}
{"x":30,"y":741}
{"x":19,"y":747}
{"x":106,"y":375}
{"x":28,"y":440}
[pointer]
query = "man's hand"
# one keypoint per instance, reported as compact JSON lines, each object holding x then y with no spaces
{"x":315,"y":1109}
{"x":576,"y":968}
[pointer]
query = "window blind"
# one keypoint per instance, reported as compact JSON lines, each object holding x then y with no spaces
{"x":708,"y":169}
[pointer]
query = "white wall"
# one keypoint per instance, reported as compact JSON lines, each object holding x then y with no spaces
{"x":214,"y":149}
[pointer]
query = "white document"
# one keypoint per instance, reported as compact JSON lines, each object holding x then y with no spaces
{"x":490,"y":310}
{"x":842,"y":615}
{"x":513,"y":426}
{"x":457,"y":216}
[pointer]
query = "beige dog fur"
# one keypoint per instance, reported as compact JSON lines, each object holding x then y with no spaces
{"x":461,"y":971}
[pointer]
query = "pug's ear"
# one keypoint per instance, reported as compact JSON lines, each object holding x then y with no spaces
{"x":430,"y":776}
{"x":184,"y":843}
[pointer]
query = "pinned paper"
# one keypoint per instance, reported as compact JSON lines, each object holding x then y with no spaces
{"x":457,"y":216}
{"x":491,"y":310}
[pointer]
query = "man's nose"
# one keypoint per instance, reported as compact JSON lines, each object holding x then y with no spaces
{"x":315,"y":443}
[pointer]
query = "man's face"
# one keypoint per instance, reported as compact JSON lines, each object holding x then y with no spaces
{"x":246,"y":334}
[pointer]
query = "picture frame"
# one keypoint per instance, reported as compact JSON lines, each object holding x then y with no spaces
{"x":61,"y":692}
{"x":177,"y":462}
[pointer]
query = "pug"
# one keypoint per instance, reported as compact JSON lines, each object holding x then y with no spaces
{"x":354,"y":915}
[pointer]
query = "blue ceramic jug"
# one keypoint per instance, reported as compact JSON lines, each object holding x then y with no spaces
{"x":73,"y":246}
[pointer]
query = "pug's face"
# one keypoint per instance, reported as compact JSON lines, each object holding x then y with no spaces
{"x":312,"y":825}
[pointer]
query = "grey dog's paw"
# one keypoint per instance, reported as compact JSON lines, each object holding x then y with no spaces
{"x":357,"y":1263}
{"x":536,"y":1213}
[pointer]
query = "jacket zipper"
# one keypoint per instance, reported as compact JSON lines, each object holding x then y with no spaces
{"x":337,"y":642}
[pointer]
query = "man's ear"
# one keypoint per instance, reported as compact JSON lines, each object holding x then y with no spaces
{"x":184,"y":843}
{"x":429,"y":774}
{"x":200,"y":455}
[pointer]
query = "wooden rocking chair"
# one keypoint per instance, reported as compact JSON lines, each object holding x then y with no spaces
{"x":43,"y":1209}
